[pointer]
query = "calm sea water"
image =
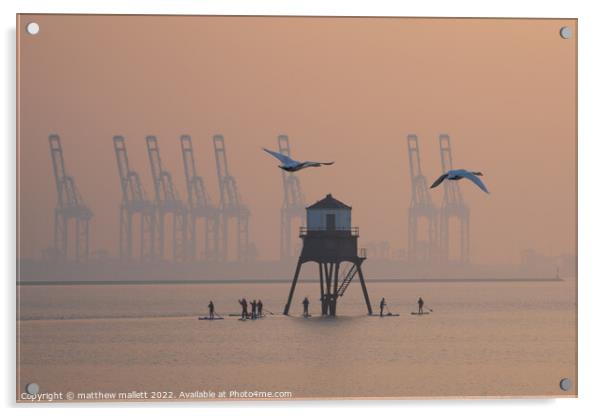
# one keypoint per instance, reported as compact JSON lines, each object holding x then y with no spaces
{"x":491,"y":339}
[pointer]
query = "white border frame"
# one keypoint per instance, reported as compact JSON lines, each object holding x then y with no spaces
{"x":590,"y":147}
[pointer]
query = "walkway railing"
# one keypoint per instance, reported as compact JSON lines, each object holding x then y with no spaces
{"x":353,"y":231}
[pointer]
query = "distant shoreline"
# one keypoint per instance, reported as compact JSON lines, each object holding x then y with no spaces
{"x":269,"y":281}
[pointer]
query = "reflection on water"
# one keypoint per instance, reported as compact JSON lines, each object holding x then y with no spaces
{"x":481,"y":339}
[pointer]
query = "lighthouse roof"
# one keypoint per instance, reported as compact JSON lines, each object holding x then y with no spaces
{"x":329,"y":202}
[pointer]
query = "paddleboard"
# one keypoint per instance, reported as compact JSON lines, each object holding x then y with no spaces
{"x":206,"y":318}
{"x":385,"y":315}
{"x":423,"y":313}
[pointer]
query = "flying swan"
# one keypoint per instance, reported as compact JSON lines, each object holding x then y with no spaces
{"x":457,"y":174}
{"x":291,"y":165}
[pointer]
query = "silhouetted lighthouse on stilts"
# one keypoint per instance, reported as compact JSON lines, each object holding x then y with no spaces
{"x":329,"y":240}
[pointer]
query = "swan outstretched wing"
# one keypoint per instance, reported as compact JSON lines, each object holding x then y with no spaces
{"x":439,"y":180}
{"x":476,"y":180}
{"x":285,"y":160}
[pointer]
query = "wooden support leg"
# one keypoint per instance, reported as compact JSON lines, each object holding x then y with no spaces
{"x":328,"y":267}
{"x":333,"y":307}
{"x":290,"y":295}
{"x":364,"y":289}
{"x":322,"y":296}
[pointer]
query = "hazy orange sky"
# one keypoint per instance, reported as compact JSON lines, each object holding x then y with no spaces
{"x":343,"y":89}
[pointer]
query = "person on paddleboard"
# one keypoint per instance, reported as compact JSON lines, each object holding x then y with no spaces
{"x":420,"y":305}
{"x":243,"y":303}
{"x":306,"y":307}
{"x":382,"y":306}
{"x":211,"y":309}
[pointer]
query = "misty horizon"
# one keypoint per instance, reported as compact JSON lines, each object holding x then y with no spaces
{"x":360,"y":121}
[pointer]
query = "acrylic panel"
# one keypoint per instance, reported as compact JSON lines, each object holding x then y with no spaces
{"x":277,"y":208}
